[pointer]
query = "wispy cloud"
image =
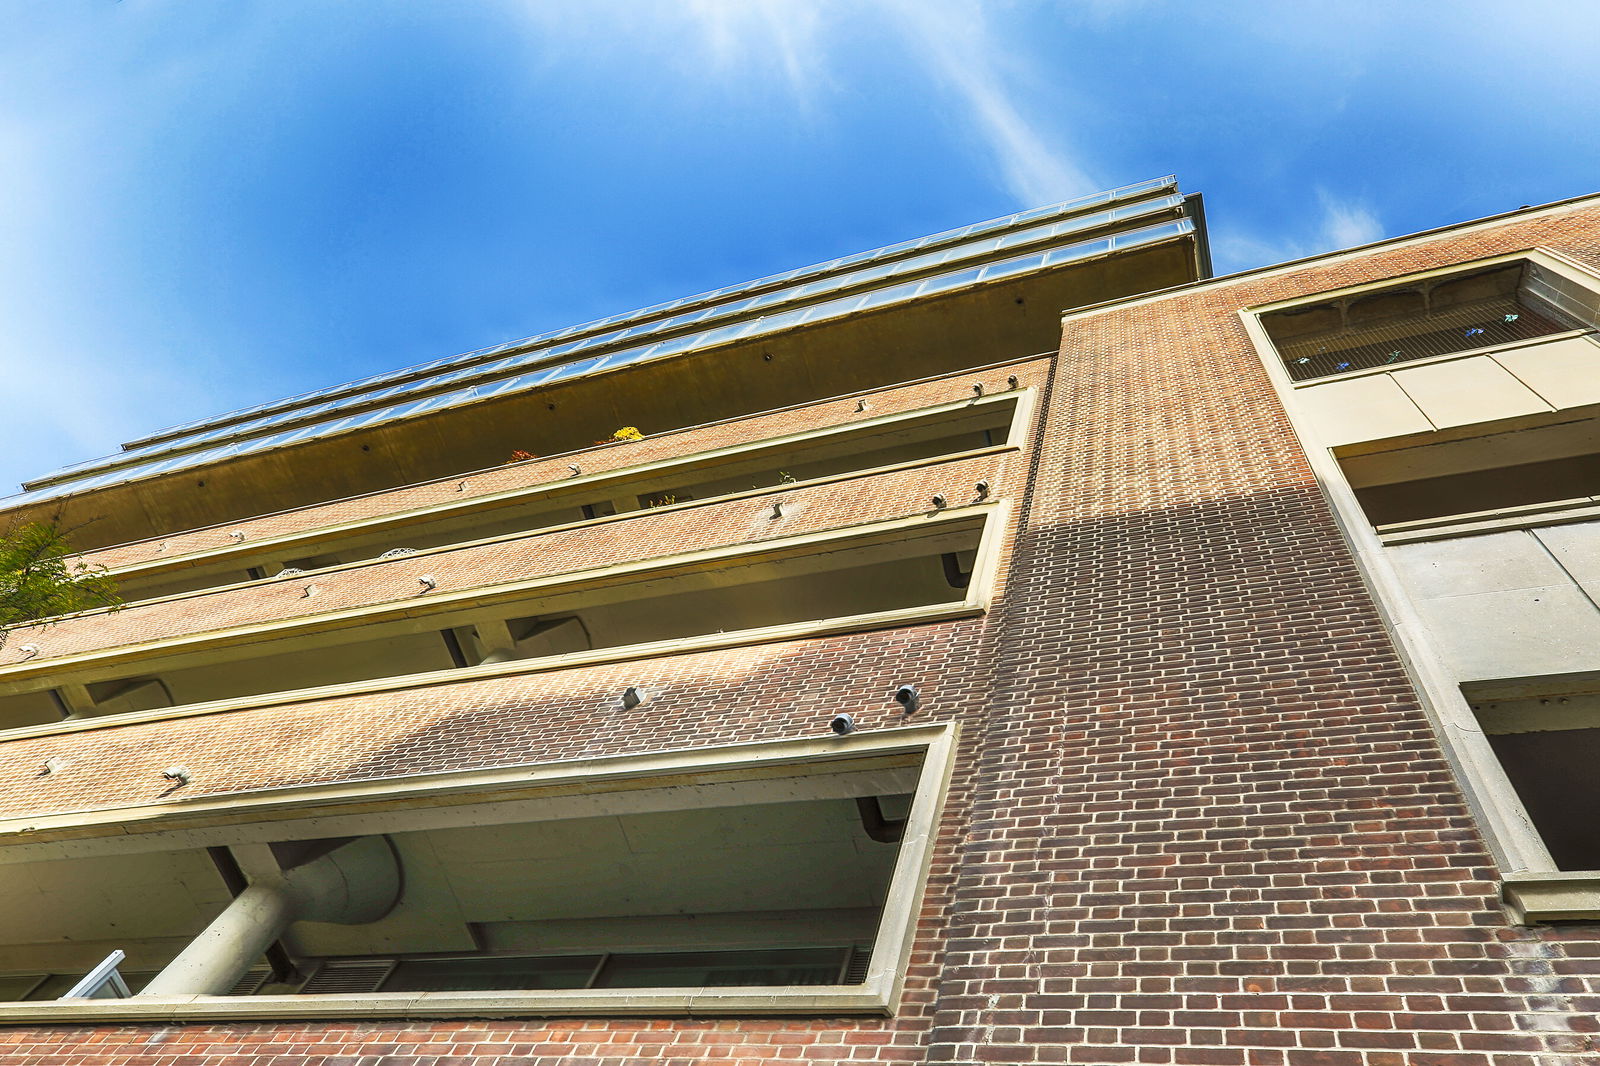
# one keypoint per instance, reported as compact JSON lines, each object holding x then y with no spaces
{"x":1340,"y":222}
{"x":953,"y":43}
{"x":958,"y":45}
{"x":734,"y":31}
{"x":1347,"y":223}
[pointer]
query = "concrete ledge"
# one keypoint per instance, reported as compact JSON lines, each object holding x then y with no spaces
{"x":1557,"y":896}
{"x":872,"y":998}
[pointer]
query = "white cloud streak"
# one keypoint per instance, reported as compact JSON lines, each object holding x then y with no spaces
{"x":736,"y":30}
{"x":1340,"y":222}
{"x":952,"y":41}
{"x":1347,"y":223}
{"x":955,"y":41}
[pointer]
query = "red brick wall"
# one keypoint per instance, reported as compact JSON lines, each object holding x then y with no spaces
{"x":1211,"y":823}
{"x":1199,"y":816}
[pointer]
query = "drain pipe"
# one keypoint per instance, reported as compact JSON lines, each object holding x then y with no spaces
{"x":352,"y":883}
{"x":875,"y":825}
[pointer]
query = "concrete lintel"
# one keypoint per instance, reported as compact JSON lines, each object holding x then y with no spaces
{"x":1554,"y":897}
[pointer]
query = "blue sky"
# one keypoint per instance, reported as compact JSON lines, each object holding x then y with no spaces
{"x":208,"y":205}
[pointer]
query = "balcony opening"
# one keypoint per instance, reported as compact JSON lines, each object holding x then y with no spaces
{"x":1499,"y":304}
{"x":847,"y":578}
{"x":848,"y":450}
{"x":1548,"y":743}
{"x":758,"y":894}
{"x":691,"y":880}
{"x":1531,"y":466}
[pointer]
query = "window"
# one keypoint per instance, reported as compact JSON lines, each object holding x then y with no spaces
{"x":1545,"y":736}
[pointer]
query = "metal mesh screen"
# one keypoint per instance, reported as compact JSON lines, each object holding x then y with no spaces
{"x":1443,"y":316}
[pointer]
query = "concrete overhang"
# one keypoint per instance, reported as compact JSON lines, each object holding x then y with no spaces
{"x":986,"y":323}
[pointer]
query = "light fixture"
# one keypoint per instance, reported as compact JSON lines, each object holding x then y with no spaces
{"x":906,"y":696}
{"x":861,"y":405}
{"x":633,"y":696}
{"x":1012,"y":381}
{"x":842,"y":724}
{"x":53,"y":765}
{"x":777,"y":509}
{"x":29,"y":650}
{"x":939,"y":501}
{"x":982,"y":490}
{"x":427,"y":582}
{"x":178,"y":774}
{"x":236,"y":534}
{"x":576,"y":470}
{"x":977,"y":389}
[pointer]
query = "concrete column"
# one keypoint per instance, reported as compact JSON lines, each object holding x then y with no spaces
{"x":351,"y":883}
{"x":216,"y":959}
{"x":495,"y":638}
{"x":76,"y":699}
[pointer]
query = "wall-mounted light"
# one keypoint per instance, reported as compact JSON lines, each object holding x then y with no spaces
{"x":177,"y":774}
{"x":861,"y":405}
{"x":777,"y":509}
{"x":29,"y":650}
{"x":982,"y":489}
{"x":236,"y":535}
{"x":53,"y":765}
{"x":977,"y":389}
{"x":575,"y":468}
{"x":842,"y":724}
{"x":633,"y":696}
{"x":1012,"y":382}
{"x":906,"y":696}
{"x":427,"y":582}
{"x":939,"y":502}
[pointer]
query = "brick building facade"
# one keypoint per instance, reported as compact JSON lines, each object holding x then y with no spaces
{"x":1189,"y":772}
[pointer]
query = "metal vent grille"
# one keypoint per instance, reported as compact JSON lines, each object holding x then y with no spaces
{"x":347,"y":976}
{"x":251,"y":982}
{"x":855,"y":966}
